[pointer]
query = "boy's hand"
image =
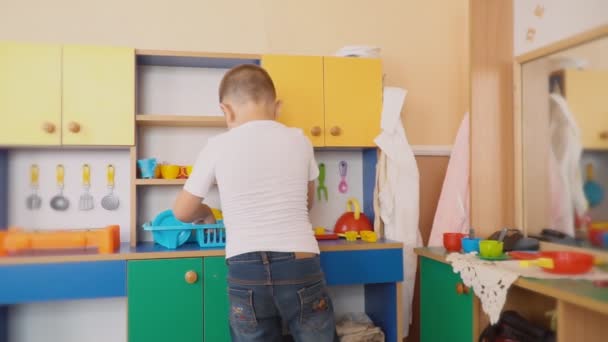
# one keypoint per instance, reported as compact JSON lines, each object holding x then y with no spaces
{"x":207,"y":220}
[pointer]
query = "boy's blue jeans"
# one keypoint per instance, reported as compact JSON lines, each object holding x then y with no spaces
{"x":268,"y":288}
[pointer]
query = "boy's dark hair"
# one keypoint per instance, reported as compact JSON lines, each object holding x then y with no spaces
{"x":247,"y":82}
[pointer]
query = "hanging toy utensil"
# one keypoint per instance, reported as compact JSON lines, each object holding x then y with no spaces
{"x":33,"y":201}
{"x":321,"y":188}
{"x":86,"y":199}
{"x":60,"y":202}
{"x":343,"y":168}
{"x":110,"y":201}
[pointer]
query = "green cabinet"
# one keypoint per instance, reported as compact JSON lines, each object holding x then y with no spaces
{"x":446,"y":306}
{"x":165,"y":300}
{"x":215,"y":308}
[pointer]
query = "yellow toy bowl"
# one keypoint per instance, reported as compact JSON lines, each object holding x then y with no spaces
{"x":169,"y":171}
{"x":188,"y":170}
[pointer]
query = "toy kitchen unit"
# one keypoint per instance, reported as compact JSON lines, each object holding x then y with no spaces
{"x":97,"y":141}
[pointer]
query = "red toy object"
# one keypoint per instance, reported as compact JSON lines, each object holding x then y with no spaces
{"x":453,"y":241}
{"x":568,"y":262}
{"x":352,"y":220}
{"x":524,"y":255}
{"x":327,"y":236}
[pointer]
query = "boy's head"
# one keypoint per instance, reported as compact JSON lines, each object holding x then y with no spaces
{"x":247,"y":93}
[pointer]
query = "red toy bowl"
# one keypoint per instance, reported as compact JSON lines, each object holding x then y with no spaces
{"x":453,"y":241}
{"x":569,"y":262}
{"x":353,"y":219}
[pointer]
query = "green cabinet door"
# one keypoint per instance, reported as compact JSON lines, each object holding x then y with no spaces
{"x":216,"y":300}
{"x":445,"y":315}
{"x":165,"y":300}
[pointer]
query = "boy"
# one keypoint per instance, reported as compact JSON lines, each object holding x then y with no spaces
{"x":265,"y":174}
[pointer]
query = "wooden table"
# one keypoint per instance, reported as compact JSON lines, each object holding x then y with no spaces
{"x":582,"y":308}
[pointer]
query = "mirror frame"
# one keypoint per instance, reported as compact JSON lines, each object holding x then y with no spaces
{"x":519,"y":61}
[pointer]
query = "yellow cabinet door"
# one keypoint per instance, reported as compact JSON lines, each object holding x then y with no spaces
{"x":98,"y":95}
{"x":30,"y":94}
{"x":353,"y":101}
{"x":587,"y":95}
{"x":299,"y":84}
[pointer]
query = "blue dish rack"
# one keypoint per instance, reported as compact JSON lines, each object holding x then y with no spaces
{"x":171,"y":233}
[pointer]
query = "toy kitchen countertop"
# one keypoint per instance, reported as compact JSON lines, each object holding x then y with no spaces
{"x":150,"y":250}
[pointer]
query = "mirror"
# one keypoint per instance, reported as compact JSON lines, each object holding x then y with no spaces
{"x":565,"y":144}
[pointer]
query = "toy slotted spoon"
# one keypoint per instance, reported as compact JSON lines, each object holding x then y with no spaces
{"x":86,"y":199}
{"x":110,"y":201}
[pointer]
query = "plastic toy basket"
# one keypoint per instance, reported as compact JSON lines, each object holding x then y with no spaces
{"x":173,"y":236}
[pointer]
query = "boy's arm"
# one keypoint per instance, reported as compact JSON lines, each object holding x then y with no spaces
{"x":188,"y":205}
{"x":189,"y":208}
{"x":311,"y":194}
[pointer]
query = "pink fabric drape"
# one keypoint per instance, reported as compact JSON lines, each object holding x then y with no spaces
{"x":453,"y":206}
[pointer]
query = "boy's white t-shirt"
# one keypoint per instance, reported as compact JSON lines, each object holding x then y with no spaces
{"x":262,"y":169}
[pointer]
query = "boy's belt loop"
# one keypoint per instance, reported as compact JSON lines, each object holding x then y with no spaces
{"x":264,"y":258}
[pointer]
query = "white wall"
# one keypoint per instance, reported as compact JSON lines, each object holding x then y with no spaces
{"x":561,"y":19}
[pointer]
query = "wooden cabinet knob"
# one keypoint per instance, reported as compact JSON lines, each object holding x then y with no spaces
{"x":191,"y":277}
{"x":74,"y":127}
{"x":335,"y":131}
{"x":48,"y":127}
{"x":604,"y":135}
{"x":315,"y":131}
{"x":461,"y":289}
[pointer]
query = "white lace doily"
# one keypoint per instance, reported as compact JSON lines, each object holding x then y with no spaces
{"x":489,"y":283}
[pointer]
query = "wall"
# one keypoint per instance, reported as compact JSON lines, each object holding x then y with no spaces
{"x":560,"y":19}
{"x":423,"y":42}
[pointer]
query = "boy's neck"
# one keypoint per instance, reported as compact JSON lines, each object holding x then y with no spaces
{"x":251,"y":113}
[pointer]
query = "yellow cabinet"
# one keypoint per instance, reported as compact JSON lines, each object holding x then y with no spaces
{"x":299,"y":84}
{"x":587,"y":94}
{"x":336,"y":101}
{"x":98,"y":95}
{"x":30,"y":94}
{"x":353,"y":100}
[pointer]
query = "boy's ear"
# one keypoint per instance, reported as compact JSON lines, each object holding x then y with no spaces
{"x":228,"y":113}
{"x":277,"y":109}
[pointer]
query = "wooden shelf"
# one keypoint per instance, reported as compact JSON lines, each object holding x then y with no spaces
{"x":144,"y":52}
{"x":180,"y":120}
{"x":158,"y":181}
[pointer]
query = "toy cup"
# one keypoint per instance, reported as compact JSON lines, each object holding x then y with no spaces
{"x":147,"y":167}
